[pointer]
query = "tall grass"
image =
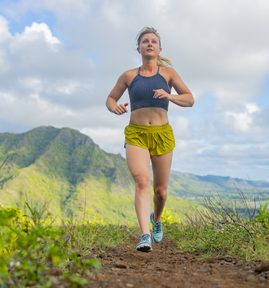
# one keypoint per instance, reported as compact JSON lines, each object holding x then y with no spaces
{"x":33,"y":252}
{"x":221,"y":230}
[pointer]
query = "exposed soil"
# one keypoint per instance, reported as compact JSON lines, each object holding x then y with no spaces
{"x":165,"y":266}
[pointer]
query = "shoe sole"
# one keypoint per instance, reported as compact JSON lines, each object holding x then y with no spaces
{"x":144,"y":248}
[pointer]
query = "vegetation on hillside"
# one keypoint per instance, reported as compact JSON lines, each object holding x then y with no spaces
{"x":220,"y":230}
{"x":47,"y":162}
{"x":33,"y":252}
{"x":66,"y":172}
{"x":190,"y":186}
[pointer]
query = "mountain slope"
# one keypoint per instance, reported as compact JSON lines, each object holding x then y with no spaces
{"x":63,"y":153}
{"x":190,"y":186}
{"x":64,"y":170}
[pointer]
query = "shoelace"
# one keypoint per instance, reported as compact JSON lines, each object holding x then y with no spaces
{"x":157,"y":227}
{"x":144,"y":237}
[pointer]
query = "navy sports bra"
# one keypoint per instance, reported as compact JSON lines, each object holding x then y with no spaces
{"x":141,"y":91}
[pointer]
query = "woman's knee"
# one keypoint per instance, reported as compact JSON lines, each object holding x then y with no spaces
{"x":142,"y":182}
{"x":160,"y":192}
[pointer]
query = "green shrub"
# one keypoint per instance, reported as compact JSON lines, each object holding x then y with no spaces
{"x":36,"y":254}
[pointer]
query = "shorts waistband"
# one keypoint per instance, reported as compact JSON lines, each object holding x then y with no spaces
{"x":148,"y":128}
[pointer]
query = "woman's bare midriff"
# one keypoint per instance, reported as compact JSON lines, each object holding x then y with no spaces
{"x":149,"y":116}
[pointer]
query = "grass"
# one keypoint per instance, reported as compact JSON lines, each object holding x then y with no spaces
{"x":35,"y":252}
{"x":219,"y":230}
{"x":39,"y":254}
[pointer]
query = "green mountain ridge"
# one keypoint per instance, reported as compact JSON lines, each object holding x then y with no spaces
{"x":65,"y":153}
{"x":196,"y":187}
{"x":64,"y":170}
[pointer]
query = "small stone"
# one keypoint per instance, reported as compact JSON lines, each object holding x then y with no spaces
{"x":225,"y":258}
{"x":120,"y":266}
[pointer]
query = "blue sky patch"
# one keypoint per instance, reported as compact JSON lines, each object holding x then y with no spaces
{"x":262,"y":98}
{"x":17,"y":25}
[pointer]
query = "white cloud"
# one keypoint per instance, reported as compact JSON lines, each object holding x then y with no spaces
{"x":111,"y":13}
{"x":109,"y":139}
{"x":243,"y":121}
{"x":33,"y":61}
{"x":181,"y":128}
{"x":4,"y":31}
{"x":4,"y":67}
{"x":40,"y":30}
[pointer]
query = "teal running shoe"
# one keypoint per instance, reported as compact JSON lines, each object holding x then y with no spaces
{"x":144,"y":243}
{"x":157,"y":229}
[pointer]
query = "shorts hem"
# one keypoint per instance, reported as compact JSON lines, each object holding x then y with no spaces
{"x":140,"y":146}
{"x":162,"y":153}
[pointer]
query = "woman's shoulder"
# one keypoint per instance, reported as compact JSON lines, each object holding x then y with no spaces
{"x":126,"y":75}
{"x":167,"y":69}
{"x":130,"y":72}
{"x":129,"y":75}
{"x":168,"y":72}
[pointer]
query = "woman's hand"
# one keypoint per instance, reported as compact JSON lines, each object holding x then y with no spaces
{"x":184,"y":99}
{"x":161,"y":94}
{"x":120,"y":108}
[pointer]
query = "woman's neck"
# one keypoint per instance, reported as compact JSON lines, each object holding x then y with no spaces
{"x":149,"y":66}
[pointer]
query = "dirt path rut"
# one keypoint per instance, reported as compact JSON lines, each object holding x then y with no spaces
{"x":165,"y":266}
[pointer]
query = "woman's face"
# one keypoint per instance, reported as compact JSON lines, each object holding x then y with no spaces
{"x":149,"y":45}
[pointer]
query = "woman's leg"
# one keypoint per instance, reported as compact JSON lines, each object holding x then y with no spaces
{"x":138,"y":160}
{"x":161,"y":166}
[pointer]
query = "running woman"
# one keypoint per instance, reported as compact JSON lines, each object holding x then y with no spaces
{"x":149,"y":136}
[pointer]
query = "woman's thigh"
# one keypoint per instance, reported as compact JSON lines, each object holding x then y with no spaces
{"x":161,"y":165}
{"x":138,"y":160}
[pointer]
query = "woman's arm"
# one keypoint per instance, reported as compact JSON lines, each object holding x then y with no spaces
{"x":183,"y":97}
{"x":114,"y":96}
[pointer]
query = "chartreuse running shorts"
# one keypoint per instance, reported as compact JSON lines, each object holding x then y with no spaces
{"x":158,"y":140}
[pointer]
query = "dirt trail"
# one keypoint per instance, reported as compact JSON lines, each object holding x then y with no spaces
{"x":165,"y":266}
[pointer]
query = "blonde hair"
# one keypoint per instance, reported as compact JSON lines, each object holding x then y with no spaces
{"x":162,"y":61}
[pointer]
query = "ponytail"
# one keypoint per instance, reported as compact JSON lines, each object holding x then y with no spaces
{"x":163,"y":61}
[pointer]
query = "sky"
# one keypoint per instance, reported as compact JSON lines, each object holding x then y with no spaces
{"x":60,"y":59}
